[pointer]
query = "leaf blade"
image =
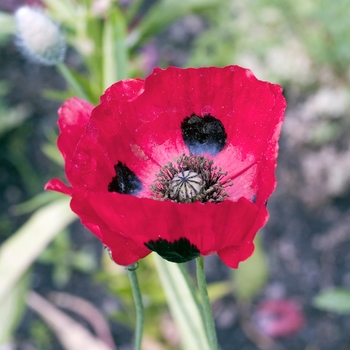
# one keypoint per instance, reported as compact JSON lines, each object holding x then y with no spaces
{"x":336,"y":300}
{"x":23,"y":247}
{"x":182,"y":305}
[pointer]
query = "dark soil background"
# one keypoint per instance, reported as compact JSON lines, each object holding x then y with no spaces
{"x":307,"y":239}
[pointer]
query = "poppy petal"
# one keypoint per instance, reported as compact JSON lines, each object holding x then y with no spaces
{"x":74,"y":114}
{"x":226,"y":224}
{"x":124,"y":250}
{"x":58,"y":186}
{"x":233,"y":255}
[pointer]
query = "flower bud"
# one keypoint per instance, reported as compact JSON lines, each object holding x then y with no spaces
{"x":38,"y":37}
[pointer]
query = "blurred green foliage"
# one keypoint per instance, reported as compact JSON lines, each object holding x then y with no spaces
{"x":10,"y":118}
{"x":11,"y":309}
{"x":7,"y":26}
{"x":252,"y":275}
{"x":41,"y":335}
{"x":256,"y":29}
{"x":335,"y":300}
{"x":115,"y":278}
{"x":64,"y":259}
{"x":287,"y":41}
{"x":106,"y":40}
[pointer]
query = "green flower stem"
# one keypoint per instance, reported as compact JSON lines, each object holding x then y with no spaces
{"x":207,"y":312}
{"x":140,"y":316}
{"x":71,"y":81}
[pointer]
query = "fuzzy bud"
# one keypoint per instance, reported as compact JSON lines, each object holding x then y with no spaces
{"x":38,"y":37}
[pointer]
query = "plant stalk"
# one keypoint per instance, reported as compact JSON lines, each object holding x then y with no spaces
{"x":140,"y":316}
{"x":207,"y":312}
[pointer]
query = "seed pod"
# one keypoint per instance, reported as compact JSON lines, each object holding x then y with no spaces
{"x":38,"y":37}
{"x":185,"y":185}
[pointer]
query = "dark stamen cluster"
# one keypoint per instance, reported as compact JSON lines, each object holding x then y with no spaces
{"x":213,"y":189}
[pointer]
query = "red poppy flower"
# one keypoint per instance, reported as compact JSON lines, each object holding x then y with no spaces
{"x":181,"y":163}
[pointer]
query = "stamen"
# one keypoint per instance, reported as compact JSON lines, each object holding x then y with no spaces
{"x":193,"y":178}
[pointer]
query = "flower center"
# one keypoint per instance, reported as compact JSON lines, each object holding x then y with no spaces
{"x":185,"y":185}
{"x":193,"y":178}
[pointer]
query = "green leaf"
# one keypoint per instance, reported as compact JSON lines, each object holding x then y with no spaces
{"x":218,"y":290}
{"x":23,"y":247}
{"x":182,"y":304}
{"x":132,"y":10}
{"x":51,"y":151}
{"x":336,"y":300}
{"x":57,"y":95}
{"x":7,"y":24}
{"x":163,"y":13}
{"x":72,"y":80}
{"x":114,"y":58}
{"x":71,"y":334}
{"x":252,"y":274}
{"x":11,"y":309}
{"x":35,"y":203}
{"x":10,"y":118}
{"x":63,"y":10}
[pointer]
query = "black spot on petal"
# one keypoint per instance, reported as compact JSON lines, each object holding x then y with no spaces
{"x":179,"y":251}
{"x":125,"y":181}
{"x":203,"y":134}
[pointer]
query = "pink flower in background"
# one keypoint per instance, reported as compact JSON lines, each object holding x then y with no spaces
{"x":279,"y":318}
